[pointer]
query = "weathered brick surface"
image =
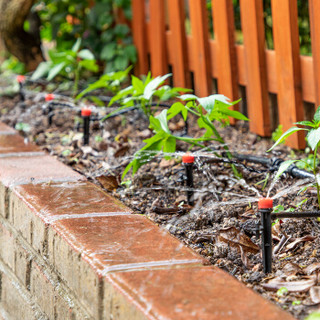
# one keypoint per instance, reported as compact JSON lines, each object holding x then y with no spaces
{"x":4,"y":129}
{"x":15,"y":144}
{"x":16,"y":302}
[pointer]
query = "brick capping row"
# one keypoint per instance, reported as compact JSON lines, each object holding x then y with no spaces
{"x":68,"y":250}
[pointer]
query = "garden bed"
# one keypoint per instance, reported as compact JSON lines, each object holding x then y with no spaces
{"x":221,"y":224}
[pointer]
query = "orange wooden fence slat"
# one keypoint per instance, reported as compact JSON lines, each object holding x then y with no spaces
{"x":286,"y":42}
{"x":255,"y":61}
{"x":179,"y":45}
{"x":158,"y":47}
{"x":200,"y":47}
{"x":140,"y":36}
{"x":314,"y":9}
{"x":223,"y":21}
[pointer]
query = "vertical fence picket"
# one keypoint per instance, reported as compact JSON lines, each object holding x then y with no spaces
{"x":140,"y":36}
{"x":286,"y":42}
{"x":223,"y":21}
{"x":255,"y":62}
{"x":314,"y":9}
{"x":179,"y":45}
{"x":157,"y":28}
{"x":200,"y":41}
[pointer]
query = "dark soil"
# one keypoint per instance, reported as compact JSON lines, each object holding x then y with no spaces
{"x":221,"y":225}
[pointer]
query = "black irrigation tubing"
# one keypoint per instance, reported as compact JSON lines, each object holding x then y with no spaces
{"x":298,"y":214}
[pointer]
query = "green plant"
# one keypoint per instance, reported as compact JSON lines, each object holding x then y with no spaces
{"x":313,"y":316}
{"x":313,"y":140}
{"x":110,"y":82}
{"x":277,"y":133}
{"x":69,"y":63}
{"x":102,"y":24}
{"x":145,"y":93}
{"x":282,"y":291}
{"x":207,"y":110}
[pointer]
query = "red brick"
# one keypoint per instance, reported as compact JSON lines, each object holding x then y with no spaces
{"x":23,"y":170}
{"x":193,"y":293}
{"x":110,"y":243}
{"x":4,"y":129}
{"x":68,"y":198}
{"x":14,"y":144}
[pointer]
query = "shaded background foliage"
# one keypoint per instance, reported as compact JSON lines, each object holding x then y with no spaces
{"x":103,"y":26}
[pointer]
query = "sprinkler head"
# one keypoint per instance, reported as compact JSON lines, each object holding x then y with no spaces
{"x":188,"y":158}
{"x":85,"y":112}
{"x":265,"y":203}
{"x":21,"y":78}
{"x":49,"y":97}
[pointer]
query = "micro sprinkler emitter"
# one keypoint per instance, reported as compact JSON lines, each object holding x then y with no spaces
{"x":21,"y":79}
{"x":265,"y":206}
{"x":86,"y":115}
{"x":188,"y":161}
{"x":49,"y":97}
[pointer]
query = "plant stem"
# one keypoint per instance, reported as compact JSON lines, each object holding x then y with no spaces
{"x":76,"y":81}
{"x":315,"y":173}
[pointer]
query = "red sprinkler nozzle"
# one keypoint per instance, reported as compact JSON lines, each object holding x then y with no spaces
{"x":21,"y":78}
{"x":86,"y":112}
{"x":265,"y":203}
{"x":49,"y":97}
{"x":188,"y":158}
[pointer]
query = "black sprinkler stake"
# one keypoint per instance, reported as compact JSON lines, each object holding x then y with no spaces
{"x":86,"y":114}
{"x":188,"y":161}
{"x":265,"y":208}
{"x":49,"y":97}
{"x":21,"y":79}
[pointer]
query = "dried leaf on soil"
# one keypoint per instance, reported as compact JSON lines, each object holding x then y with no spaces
{"x":315,"y":294}
{"x":312,"y":267}
{"x":293,"y":244}
{"x":109,"y":182}
{"x":236,"y":238}
{"x":292,"y":286}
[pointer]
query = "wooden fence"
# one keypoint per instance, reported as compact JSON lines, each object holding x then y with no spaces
{"x":162,"y":41}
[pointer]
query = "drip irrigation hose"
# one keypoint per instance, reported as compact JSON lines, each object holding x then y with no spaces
{"x":272,"y":163}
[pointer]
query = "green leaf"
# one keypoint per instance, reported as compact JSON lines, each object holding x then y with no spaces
{"x":159,"y":123}
{"x":234,"y":114}
{"x":108,"y":51}
{"x":77,"y":45}
{"x":188,"y":97}
{"x":121,"y":62}
{"x":153,"y":85}
{"x":316,"y":116}
{"x":86,"y":54}
{"x":286,"y":135}
{"x":313,"y":138}
{"x":55,"y":70}
{"x":90,"y":65}
{"x":42,"y":70}
{"x":306,"y":123}
{"x":313,"y":316}
{"x":138,"y":85}
{"x":169,"y":145}
{"x":177,"y":108}
{"x":283,"y":167}
{"x":208,"y":103}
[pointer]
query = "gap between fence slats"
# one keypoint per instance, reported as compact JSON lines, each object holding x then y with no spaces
{"x":286,"y":42}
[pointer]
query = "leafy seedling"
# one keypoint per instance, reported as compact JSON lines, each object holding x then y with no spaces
{"x":313,"y":139}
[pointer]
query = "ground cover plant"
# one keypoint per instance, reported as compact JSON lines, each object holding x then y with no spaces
{"x":220,"y":225}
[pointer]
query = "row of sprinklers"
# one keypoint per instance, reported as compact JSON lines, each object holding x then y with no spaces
{"x":265,"y":206}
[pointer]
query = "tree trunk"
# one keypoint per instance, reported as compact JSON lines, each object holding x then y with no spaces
{"x":26,"y":46}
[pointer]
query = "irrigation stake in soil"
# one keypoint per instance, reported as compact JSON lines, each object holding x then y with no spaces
{"x":21,"y":79}
{"x":86,"y":114}
{"x":188,"y":161}
{"x":49,"y":97}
